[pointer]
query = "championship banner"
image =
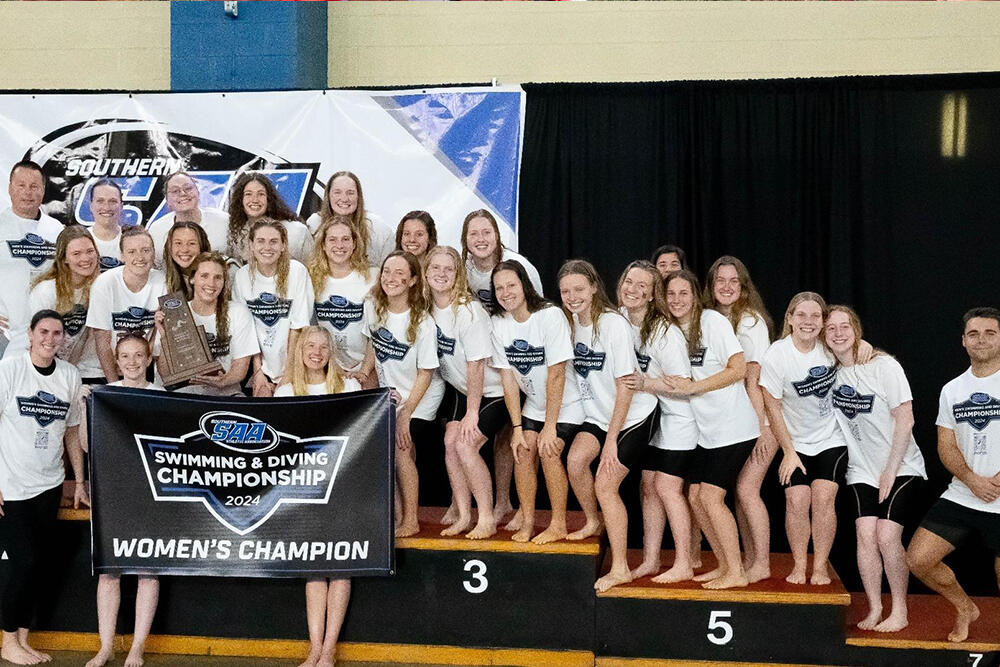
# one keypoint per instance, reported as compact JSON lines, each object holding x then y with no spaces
{"x":447,"y":151}
{"x":222,"y":486}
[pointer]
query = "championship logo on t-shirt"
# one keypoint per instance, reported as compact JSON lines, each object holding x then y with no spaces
{"x":850,"y":402}
{"x":108,"y":262}
{"x":75,"y":320}
{"x":818,"y":382}
{"x":586,"y":360}
{"x":43,"y":407}
{"x":219,"y":347}
{"x":524,"y":356}
{"x":485,"y":296}
{"x":698,"y":358}
{"x":133,"y":318}
{"x":387,"y":347}
{"x":446,"y":346}
{"x":269,"y":308}
{"x":33,"y":249}
{"x":643,"y":360}
{"x":978,"y":411}
{"x":339,"y":312}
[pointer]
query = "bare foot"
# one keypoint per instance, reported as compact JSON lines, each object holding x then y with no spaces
{"x":550,"y":534}
{"x":485,"y":528}
{"x":871,"y":620}
{"x":515,"y":523}
{"x":894,"y":623}
{"x":501,"y":510}
{"x":450,"y":516}
{"x":522,"y":535}
{"x":962,"y":621}
{"x":589,"y":529}
{"x":42,"y":657}
{"x":311,"y":661}
{"x":708,"y":576}
{"x":407,"y":529}
{"x":821,"y":576}
{"x":674,"y":574}
{"x":758,"y":572}
{"x":696,"y":561}
{"x":612,"y":579}
{"x":102,"y":657}
{"x":646,"y":568}
{"x":735,"y":580}
{"x":326,"y":662}
{"x":460,"y":525}
{"x":134,"y":657}
{"x":13,"y":652}
{"x":798,"y":575}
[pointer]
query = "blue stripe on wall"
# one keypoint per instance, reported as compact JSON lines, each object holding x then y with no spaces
{"x":270,"y":45}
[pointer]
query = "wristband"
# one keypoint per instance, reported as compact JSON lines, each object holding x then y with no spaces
{"x":516,"y":425}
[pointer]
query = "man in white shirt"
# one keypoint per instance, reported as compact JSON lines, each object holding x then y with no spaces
{"x":183,"y":199}
{"x":27,"y":246}
{"x":968,"y":424}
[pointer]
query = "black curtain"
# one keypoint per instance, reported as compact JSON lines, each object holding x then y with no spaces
{"x":863,"y":189}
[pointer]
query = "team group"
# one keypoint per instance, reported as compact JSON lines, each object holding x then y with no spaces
{"x":682,"y":383}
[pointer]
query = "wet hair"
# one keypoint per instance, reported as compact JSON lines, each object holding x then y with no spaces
{"x":600,"y":304}
{"x":129,"y":232}
{"x":105,"y":182}
{"x":427,"y":220}
{"x":655,"y":319}
{"x":221,"y":301}
{"x":749,"y":301}
{"x":132,"y":336}
{"x":45,"y":314}
{"x":284,"y":260}
{"x":30,"y":165}
{"x":297,"y":366}
{"x":532,"y":299}
{"x":693,"y":334}
{"x":318,"y":263}
{"x":987,"y":312}
{"x":276,"y":209}
{"x":63,"y":276}
{"x":671,"y":249}
{"x":481,"y":213}
{"x":177,"y":277}
{"x":800,"y":298}
{"x":415,"y":298}
{"x":358,"y":218}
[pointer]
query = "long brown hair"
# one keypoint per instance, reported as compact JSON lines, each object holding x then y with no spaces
{"x":600,"y":303}
{"x":284,"y":261}
{"x":693,"y":334}
{"x":532,"y":299}
{"x":63,"y":276}
{"x":415,"y":298}
{"x":749,"y":301}
{"x":276,"y":209}
{"x":358,"y":218}
{"x":221,"y":301}
{"x":481,"y":213}
{"x":655,"y":319}
{"x":427,"y":221}
{"x":801,"y":297}
{"x":178,"y":278}
{"x":297,"y":366}
{"x":319,"y":264}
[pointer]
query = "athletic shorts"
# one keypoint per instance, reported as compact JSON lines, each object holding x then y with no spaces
{"x":565,"y":432}
{"x":830,"y":464}
{"x":956,"y":523}
{"x":632,"y":441}
{"x":719,"y":466}
{"x":897,"y":505}
{"x":493,"y":413}
{"x":676,"y":462}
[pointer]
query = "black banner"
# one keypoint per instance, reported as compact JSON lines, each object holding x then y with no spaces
{"x":241,"y":487}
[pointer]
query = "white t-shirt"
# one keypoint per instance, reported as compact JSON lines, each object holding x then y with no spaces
{"x":754,"y":338}
{"x":725,"y":416}
{"x":463,"y":338}
{"x":114,"y":307}
{"x":273,"y":315}
{"x":479,"y":281}
{"x":213,"y":221}
{"x":381,"y":237}
{"x":43,"y":296}
{"x":286,"y":390}
{"x":339,"y":308}
{"x":969,"y":406}
{"x":300,"y":242}
{"x":863,"y":396}
{"x":802,"y":382}
{"x":35,"y":411}
{"x":529,"y":348}
{"x":150,"y":386}
{"x":397,"y":358}
{"x":26,"y":251}
{"x":666,"y":354}
{"x":242,"y":342}
{"x":598,"y":360}
{"x":110,"y":252}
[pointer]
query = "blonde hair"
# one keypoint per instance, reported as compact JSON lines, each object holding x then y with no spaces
{"x":63,"y":276}
{"x":460,"y":294}
{"x":297,"y":366}
{"x":853,"y":319}
{"x":800,"y":298}
{"x":416,"y":298}
{"x":600,"y":303}
{"x":318,"y":263}
{"x":284,"y":261}
{"x":221,"y":301}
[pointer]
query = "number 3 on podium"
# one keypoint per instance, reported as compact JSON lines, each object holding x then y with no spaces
{"x":478,"y":583}
{"x":717,"y":624}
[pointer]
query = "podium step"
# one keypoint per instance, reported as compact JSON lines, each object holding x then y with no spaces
{"x":769,"y":622}
{"x":647,"y":662}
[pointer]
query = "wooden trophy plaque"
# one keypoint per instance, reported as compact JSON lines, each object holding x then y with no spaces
{"x":184,"y":351}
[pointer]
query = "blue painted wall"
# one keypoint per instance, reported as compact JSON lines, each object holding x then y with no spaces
{"x":270,"y":45}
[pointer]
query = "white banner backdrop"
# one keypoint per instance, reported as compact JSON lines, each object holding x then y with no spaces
{"x":447,"y":151}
